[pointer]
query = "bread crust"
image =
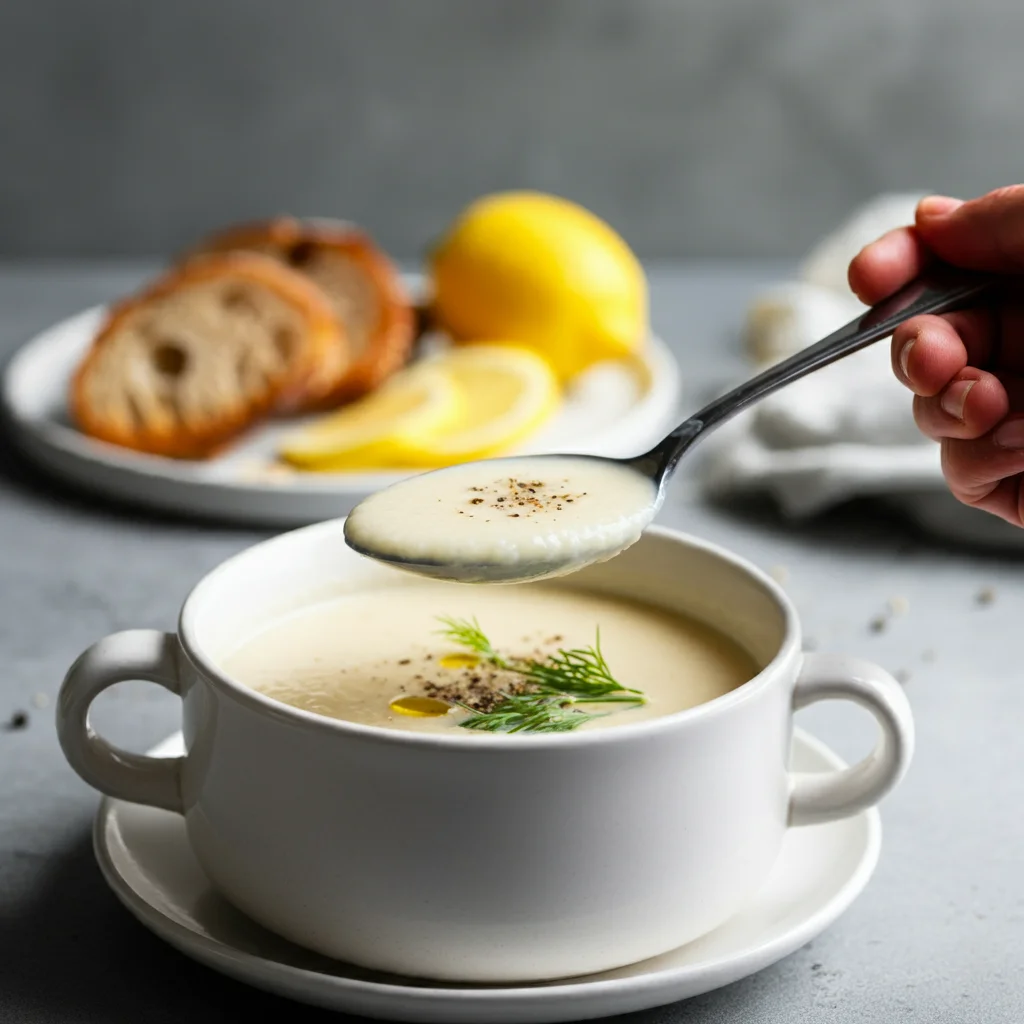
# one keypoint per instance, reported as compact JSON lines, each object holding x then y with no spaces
{"x":157,"y":424}
{"x":374,"y":351}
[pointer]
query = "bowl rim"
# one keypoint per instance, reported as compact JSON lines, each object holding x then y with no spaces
{"x":487,"y":743}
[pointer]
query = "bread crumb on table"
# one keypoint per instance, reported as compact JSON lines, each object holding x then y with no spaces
{"x":985,"y":596}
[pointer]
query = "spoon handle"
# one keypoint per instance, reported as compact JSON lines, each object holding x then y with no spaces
{"x":940,"y":289}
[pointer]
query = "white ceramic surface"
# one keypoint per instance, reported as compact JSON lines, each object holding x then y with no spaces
{"x":379,"y":847}
{"x":617,"y":409}
{"x":145,"y":857}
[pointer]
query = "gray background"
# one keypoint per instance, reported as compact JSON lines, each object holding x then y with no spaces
{"x":697,"y":127}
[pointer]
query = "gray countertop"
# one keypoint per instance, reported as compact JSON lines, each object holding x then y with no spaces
{"x":938,"y":935}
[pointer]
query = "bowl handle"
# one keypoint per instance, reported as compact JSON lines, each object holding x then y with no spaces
{"x":134,"y":654}
{"x":824,"y":797}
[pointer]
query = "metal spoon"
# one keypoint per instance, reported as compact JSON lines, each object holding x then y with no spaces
{"x":939,"y":290}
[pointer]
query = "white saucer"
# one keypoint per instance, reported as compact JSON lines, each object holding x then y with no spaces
{"x":144,"y":856}
{"x":618,"y":408}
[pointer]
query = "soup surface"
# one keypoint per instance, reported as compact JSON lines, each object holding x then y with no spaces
{"x":385,"y":658}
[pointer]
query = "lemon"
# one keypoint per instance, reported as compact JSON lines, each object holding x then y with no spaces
{"x":467,"y":403}
{"x":371,"y":433}
{"x":507,"y":393}
{"x":540,"y":272}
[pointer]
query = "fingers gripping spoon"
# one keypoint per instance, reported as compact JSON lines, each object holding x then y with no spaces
{"x":530,"y":517}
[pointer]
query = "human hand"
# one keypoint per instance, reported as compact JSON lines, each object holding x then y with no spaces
{"x":966,"y":369}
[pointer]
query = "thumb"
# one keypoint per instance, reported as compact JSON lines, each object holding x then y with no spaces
{"x":981,"y":234}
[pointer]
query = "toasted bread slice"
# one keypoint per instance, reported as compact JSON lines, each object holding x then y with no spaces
{"x":362,"y":285}
{"x":203,"y":353}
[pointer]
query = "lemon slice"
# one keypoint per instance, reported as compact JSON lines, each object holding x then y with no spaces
{"x":374,"y":432}
{"x":507,"y":392}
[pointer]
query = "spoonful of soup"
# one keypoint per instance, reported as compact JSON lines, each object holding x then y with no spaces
{"x":530,"y":517}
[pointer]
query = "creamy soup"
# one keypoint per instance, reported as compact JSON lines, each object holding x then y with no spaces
{"x":506,"y":519}
{"x":382,"y":657}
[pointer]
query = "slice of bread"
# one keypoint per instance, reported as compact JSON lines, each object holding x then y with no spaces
{"x":200,"y":355}
{"x":362,"y":285}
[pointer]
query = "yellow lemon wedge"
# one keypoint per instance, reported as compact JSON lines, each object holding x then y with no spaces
{"x":374,"y":432}
{"x":507,"y":394}
{"x":541,"y":272}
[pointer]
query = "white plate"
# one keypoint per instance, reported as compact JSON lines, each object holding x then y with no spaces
{"x":145,"y":858}
{"x":619,"y":408}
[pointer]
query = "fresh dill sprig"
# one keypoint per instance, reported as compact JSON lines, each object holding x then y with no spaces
{"x":467,"y":633}
{"x":531,"y":712}
{"x":554,"y":686}
{"x":581,"y":673}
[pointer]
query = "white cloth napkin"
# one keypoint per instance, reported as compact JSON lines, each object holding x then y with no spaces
{"x":843,"y":431}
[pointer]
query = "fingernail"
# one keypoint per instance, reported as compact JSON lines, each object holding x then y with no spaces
{"x":905,"y":359}
{"x":938,"y":206}
{"x":954,"y":397}
{"x":1010,"y":434}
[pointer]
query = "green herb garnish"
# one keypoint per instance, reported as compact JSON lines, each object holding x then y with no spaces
{"x":469,"y":634}
{"x":550,"y":690}
{"x":527,"y":713}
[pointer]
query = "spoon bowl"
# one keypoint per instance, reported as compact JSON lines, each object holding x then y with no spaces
{"x":483,"y":572}
{"x":525,"y":518}
{"x":507,"y":520}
